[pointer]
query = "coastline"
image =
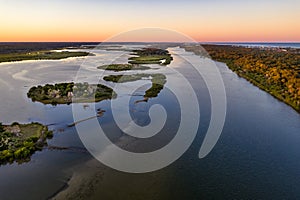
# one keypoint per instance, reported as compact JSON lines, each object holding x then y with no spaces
{"x":42,"y":55}
{"x":260,"y":86}
{"x":258,"y":74}
{"x":259,"y":44}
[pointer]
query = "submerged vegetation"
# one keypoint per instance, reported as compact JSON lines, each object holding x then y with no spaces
{"x":158,"y":81}
{"x":19,"y":141}
{"x":151,"y":56}
{"x":274,"y":70}
{"x":40,"y":55}
{"x":67,"y":93}
{"x":123,"y":67}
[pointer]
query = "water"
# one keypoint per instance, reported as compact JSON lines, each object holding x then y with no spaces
{"x":256,"y":157}
{"x":262,"y":44}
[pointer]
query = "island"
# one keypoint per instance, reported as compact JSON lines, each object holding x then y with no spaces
{"x":151,"y":56}
{"x":41,"y":55}
{"x":67,"y":93}
{"x":273,"y":69}
{"x":19,"y":141}
{"x":158,"y":81}
{"x":123,"y":67}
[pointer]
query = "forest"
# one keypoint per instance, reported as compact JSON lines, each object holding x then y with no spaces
{"x":275,"y":70}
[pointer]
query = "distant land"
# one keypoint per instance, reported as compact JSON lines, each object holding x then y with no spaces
{"x":273,"y":67}
{"x":259,"y":44}
{"x":275,"y":70}
{"x":21,"y":47}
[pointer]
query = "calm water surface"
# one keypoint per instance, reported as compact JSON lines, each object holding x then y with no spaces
{"x":256,"y":157}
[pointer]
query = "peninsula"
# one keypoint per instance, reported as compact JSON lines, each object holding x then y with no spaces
{"x":19,"y":141}
{"x":41,"y":55}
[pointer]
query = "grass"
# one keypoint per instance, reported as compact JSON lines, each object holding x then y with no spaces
{"x":158,"y":81}
{"x":122,"y":67}
{"x":40,"y":55}
{"x":152,"y":59}
{"x":31,"y":130}
{"x":125,"y":78}
{"x":151,"y":56}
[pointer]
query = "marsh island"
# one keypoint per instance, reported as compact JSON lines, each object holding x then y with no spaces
{"x":157,"y":80}
{"x":41,"y":55}
{"x":123,"y":67}
{"x":151,"y":56}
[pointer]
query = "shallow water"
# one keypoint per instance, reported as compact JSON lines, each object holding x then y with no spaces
{"x":256,"y":157}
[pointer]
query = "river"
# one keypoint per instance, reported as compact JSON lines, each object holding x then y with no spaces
{"x":256,"y":157}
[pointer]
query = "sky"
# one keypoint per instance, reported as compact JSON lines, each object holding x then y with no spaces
{"x":99,"y":20}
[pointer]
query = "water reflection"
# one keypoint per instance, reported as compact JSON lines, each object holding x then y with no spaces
{"x":258,"y":149}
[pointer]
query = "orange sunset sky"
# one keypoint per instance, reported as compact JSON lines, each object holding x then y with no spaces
{"x":202,"y":20}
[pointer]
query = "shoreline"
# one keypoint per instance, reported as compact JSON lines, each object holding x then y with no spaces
{"x":41,"y":55}
{"x":260,"y":86}
{"x":243,"y":61}
{"x":20,"y":141}
{"x":271,"y":45}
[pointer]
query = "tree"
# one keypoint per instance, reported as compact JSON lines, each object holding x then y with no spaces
{"x":1,"y":128}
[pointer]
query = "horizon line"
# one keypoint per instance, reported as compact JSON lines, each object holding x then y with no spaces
{"x":149,"y":42}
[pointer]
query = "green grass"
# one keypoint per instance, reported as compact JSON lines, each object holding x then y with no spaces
{"x":122,"y":67}
{"x":125,"y":78}
{"x":31,"y":130}
{"x":152,"y":59}
{"x":40,"y":55}
{"x":151,"y":56}
{"x":158,"y":81}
